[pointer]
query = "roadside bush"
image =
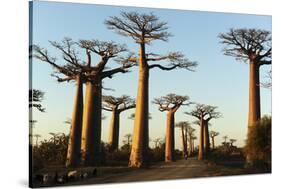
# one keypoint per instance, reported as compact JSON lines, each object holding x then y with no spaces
{"x":258,"y":144}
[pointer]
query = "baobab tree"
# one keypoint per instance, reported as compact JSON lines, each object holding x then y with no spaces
{"x":252,"y":46}
{"x":183,"y":127}
{"x":193,"y":139}
{"x":71,"y":70}
{"x":128,"y":139}
{"x":213,"y":134}
{"x":170,"y":103}
{"x":91,"y":133}
{"x":84,"y":72}
{"x":190,"y":133}
{"x":144,"y":29}
{"x":35,"y":98}
{"x":232,"y":141}
{"x":204,"y":113}
{"x":37,"y":136}
{"x":157,"y":142}
{"x":225,"y":138}
{"x":116,"y":105}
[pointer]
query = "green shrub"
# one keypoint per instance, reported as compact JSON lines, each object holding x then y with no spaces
{"x":258,"y":145}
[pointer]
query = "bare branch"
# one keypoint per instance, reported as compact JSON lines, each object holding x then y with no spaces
{"x":143,"y":28}
{"x":245,"y":44}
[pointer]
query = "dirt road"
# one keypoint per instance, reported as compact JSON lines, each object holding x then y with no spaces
{"x":180,"y":169}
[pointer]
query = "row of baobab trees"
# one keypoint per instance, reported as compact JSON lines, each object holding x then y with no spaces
{"x":251,"y":45}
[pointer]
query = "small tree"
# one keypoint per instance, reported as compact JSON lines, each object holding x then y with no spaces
{"x":213,"y":134}
{"x":157,"y":142}
{"x":144,"y":29}
{"x":183,"y":127}
{"x":190,"y":133}
{"x":170,"y":103}
{"x":232,"y":141}
{"x":204,"y":113}
{"x":225,"y":138}
{"x":193,"y":139}
{"x":37,"y":136}
{"x":127,"y":142}
{"x":116,"y":106}
{"x":35,"y":99}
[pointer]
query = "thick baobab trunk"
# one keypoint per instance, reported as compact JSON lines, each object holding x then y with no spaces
{"x":114,"y":130}
{"x":254,"y":99}
{"x":74,"y":144}
{"x":254,"y":94}
{"x":201,"y":141}
{"x":206,"y":139}
{"x":170,"y":138}
{"x":183,"y":142}
{"x":139,"y":152}
{"x":91,"y":133}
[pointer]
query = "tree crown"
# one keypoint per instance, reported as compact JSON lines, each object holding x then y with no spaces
{"x":205,"y":112}
{"x":171,"y":102}
{"x":143,"y":28}
{"x":248,"y":44}
{"x":122,"y":103}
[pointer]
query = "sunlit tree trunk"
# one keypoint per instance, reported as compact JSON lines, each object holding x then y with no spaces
{"x":193,"y":146}
{"x":206,"y":139}
{"x":254,"y":94}
{"x":183,"y":142}
{"x":138,"y":157}
{"x":201,"y":141}
{"x":114,"y":130}
{"x":74,"y":144}
{"x":170,"y":137}
{"x":213,"y":142}
{"x":91,"y":133}
{"x":254,"y":99}
{"x":190,"y":145}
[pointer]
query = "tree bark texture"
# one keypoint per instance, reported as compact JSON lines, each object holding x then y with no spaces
{"x":254,"y":100}
{"x":91,"y":132}
{"x":74,"y":144}
{"x":170,"y":138}
{"x":206,"y":139}
{"x":113,"y":138}
{"x":201,"y":141}
{"x":139,"y":152}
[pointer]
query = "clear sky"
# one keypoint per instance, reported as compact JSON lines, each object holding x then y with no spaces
{"x":219,"y":80}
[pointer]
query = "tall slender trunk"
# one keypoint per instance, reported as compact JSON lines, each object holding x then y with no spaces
{"x":213,"y":142}
{"x":193,"y":146}
{"x":91,"y":133}
{"x":170,"y":137}
{"x":183,"y":142}
{"x":254,"y":94}
{"x":74,"y":143}
{"x":206,"y":139}
{"x":114,"y":130}
{"x":139,"y":152}
{"x":254,"y":100}
{"x":201,"y":141}
{"x":190,"y":145}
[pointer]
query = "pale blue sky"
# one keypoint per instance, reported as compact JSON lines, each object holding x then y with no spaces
{"x":219,"y":80}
